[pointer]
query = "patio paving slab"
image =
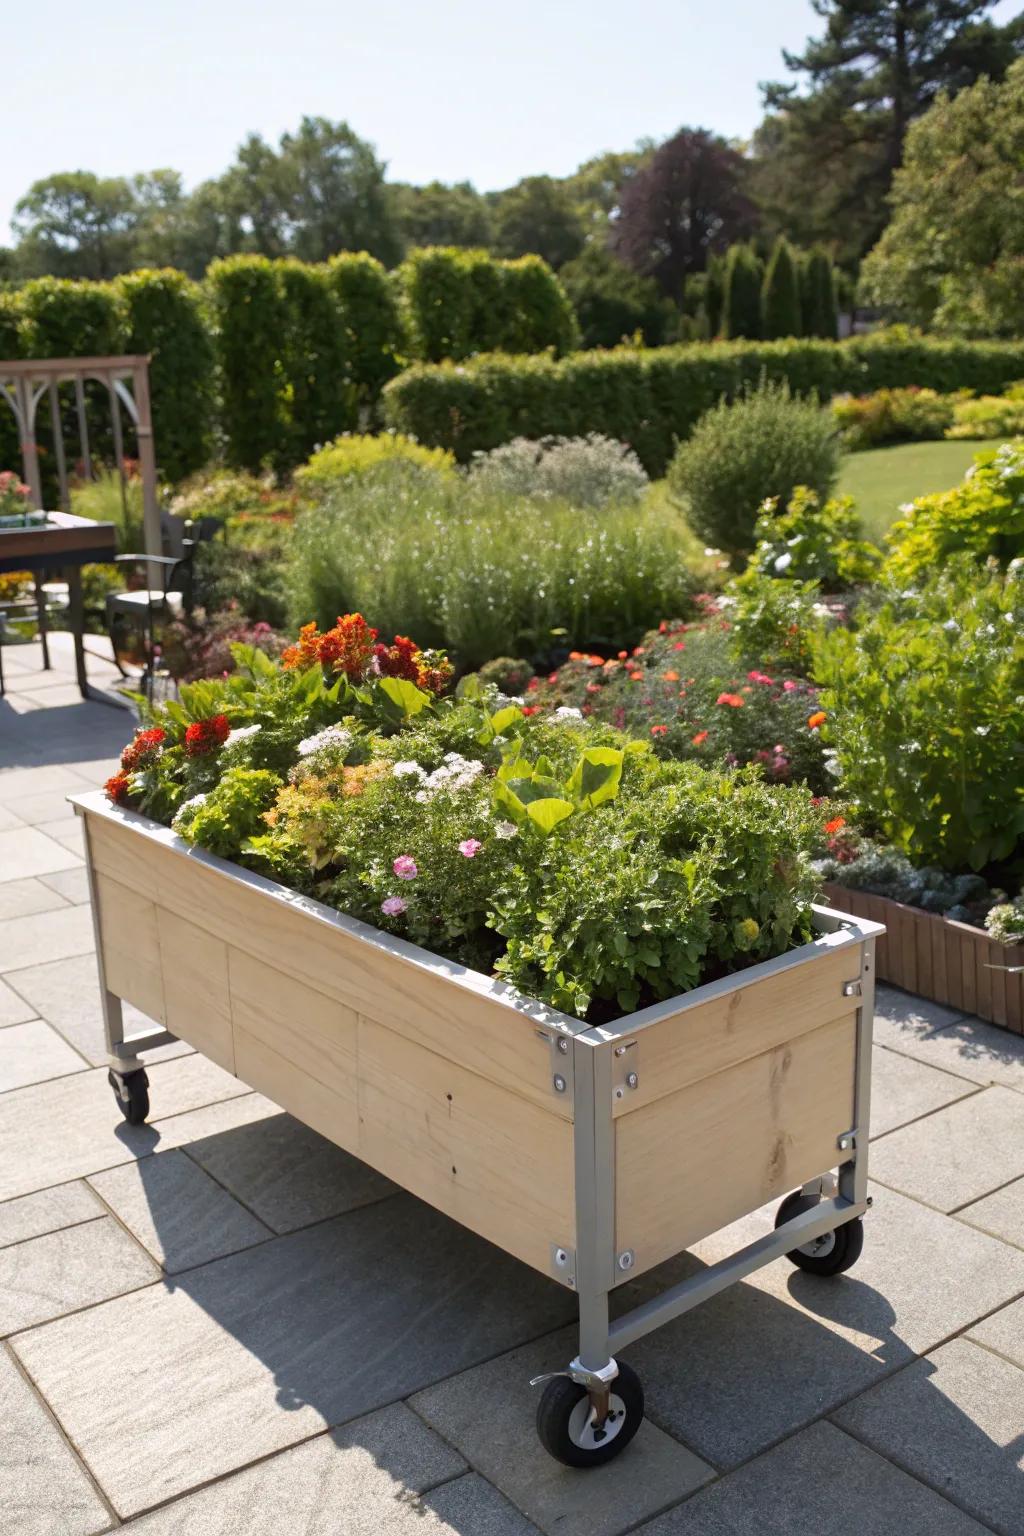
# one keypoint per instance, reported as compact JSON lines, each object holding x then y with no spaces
{"x":819,"y":1483}
{"x":42,"y":1487}
{"x":13,"y":1009}
{"x":1004,"y":1332}
{"x":66,"y":993}
{"x":365,"y":1478}
{"x":487,"y":1414}
{"x":904,"y":1016}
{"x":47,"y":1211}
{"x":969,"y":1048}
{"x":34,"y":1053}
{"x":72,"y":884}
{"x":20,"y":898}
{"x":780,"y":1349}
{"x":26,"y":941}
{"x":8,"y":820}
{"x":958,"y":1154}
{"x":53,"y":1132}
{"x":76,"y":1267}
{"x":17,"y":782}
{"x":67,"y":831}
{"x":1001,"y":1213}
{"x":28,"y":851}
{"x":41,"y":805}
{"x":470,"y":1504}
{"x":217,"y":1119}
{"x":903,"y":1090}
{"x":177,"y":1212}
{"x":288,"y":1174}
{"x":955,"y":1420}
{"x":255,"y":1352}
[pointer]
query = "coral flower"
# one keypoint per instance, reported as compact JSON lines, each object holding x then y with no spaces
{"x":205,"y":736}
{"x":636,"y":677}
{"x":405,"y":867}
{"x":700,"y":738}
{"x":818,"y":718}
{"x":623,"y":655}
{"x":680,"y":645}
{"x":835,"y":824}
{"x":789,"y":686}
{"x":760,"y":677}
{"x":117,"y":788}
{"x":732,"y":699}
{"x":470,"y":847}
{"x":671,"y":677}
{"x":658,"y":730}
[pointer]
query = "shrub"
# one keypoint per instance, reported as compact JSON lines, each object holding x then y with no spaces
{"x":484,"y":573}
{"x":234,"y":497}
{"x":652,"y":399}
{"x":991,"y":416}
{"x":373,"y":332}
{"x":588,"y":471}
{"x":613,"y":303}
{"x":818,"y":306}
{"x":354,"y":454}
{"x":764,"y":444}
{"x":63,"y":318}
{"x":982,"y":516}
{"x":741,"y":298}
{"x":1005,"y":922}
{"x":319,"y":399}
{"x":926,"y":705}
{"x":231,"y":578}
{"x":192,"y":651}
{"x":250,"y":317}
{"x":811,"y":542}
{"x":163,"y":317}
{"x":462,"y":301}
{"x":776,"y":621}
{"x":780,"y":294}
{"x":892,"y":416}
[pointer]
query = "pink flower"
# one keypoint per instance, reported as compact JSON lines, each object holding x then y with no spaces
{"x":394,"y":906}
{"x":760,"y":677}
{"x":405,"y":868}
{"x":470,"y":848}
{"x":789,"y":686}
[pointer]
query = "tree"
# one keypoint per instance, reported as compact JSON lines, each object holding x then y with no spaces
{"x":439,"y":215}
{"x":818,"y":304}
{"x":741,"y":298}
{"x":596,"y":186}
{"x":613,"y":303}
{"x":953,"y":255}
{"x":825,"y":158}
{"x":76,"y":224}
{"x":334,"y":192}
{"x":686,"y":203}
{"x":780,"y":294}
{"x":537,"y":217}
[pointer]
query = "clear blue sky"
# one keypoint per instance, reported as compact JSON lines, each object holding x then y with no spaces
{"x":454,"y":89}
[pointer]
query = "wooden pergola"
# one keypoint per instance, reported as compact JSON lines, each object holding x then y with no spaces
{"x":24,"y":382}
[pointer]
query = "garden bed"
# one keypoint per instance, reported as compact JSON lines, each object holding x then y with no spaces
{"x":940,"y":959}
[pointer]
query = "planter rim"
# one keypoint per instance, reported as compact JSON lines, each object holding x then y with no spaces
{"x":836,"y":930}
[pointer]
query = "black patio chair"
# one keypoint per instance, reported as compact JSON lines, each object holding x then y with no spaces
{"x":140,"y":612}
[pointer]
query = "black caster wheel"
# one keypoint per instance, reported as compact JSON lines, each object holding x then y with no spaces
{"x":830,"y":1254}
{"x":565,"y":1420}
{"x":131,"y":1090}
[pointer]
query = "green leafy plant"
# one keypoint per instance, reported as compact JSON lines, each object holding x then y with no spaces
{"x":893,"y":416}
{"x":989,"y":416}
{"x":982,"y":516}
{"x":355,"y":453}
{"x":813,"y":542}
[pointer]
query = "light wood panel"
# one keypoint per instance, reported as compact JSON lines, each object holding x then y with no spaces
{"x":692,"y":1162}
{"x":131,"y":947}
{"x":196,"y":994}
{"x":485,"y":1156}
{"x":697,"y":1041}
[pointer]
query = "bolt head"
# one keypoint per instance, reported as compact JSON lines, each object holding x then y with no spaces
{"x":632,"y":1080}
{"x":561,"y":1258}
{"x":625,"y":1260}
{"x":563,"y":1044}
{"x":559,"y":1082}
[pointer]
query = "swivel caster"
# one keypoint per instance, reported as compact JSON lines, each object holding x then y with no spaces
{"x":131,"y":1090}
{"x":567,"y":1420}
{"x":830,"y":1254}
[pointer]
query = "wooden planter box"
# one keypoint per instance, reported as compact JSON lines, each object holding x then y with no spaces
{"x":591,"y":1154}
{"x":948,"y":962}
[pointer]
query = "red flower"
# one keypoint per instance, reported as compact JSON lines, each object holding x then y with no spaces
{"x":818,"y":718}
{"x":732,"y":699}
{"x":118,"y":787}
{"x":145,"y":745}
{"x":658,"y":730}
{"x":205,"y":736}
{"x":531,"y":709}
{"x":760,"y":677}
{"x":680,"y":645}
{"x":835,"y":824}
{"x":700,"y":738}
{"x":399,"y":659}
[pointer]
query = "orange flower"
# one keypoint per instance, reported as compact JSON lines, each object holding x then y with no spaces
{"x":671,"y":677}
{"x":818,"y":718}
{"x":700,"y":738}
{"x":835,"y":824}
{"x":732,"y":699}
{"x":623,"y":655}
{"x":658,"y":730}
{"x":636,"y":677}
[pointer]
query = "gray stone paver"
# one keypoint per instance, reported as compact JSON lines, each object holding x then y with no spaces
{"x":817,"y":1483}
{"x":177,"y":1212}
{"x":223,"y":1367}
{"x":34,"y":1052}
{"x":255,"y":1352}
{"x":484,"y":1412}
{"x":958,"y":1154}
{"x":46,"y":1277}
{"x":955,"y":1420}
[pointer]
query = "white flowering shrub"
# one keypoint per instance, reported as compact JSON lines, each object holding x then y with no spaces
{"x":591,"y":471}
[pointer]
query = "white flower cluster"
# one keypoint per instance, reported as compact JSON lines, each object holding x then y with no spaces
{"x":455,"y":773}
{"x":566,"y":712}
{"x":240,"y":734}
{"x":180,"y":817}
{"x":334,"y":738}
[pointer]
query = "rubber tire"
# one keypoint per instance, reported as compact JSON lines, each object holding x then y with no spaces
{"x":845,"y":1251}
{"x":560,"y":1397}
{"x":136,"y":1108}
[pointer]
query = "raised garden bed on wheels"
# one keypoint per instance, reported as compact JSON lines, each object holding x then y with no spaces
{"x":938,"y":958}
{"x":592,"y":1154}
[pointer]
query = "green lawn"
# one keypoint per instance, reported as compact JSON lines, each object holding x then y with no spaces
{"x":880,"y":479}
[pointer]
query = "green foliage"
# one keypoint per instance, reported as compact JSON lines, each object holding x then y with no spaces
{"x":61,"y":318}
{"x":484,"y":573}
{"x":813,"y":542}
{"x":374,"y":334}
{"x":982,"y":517}
{"x":233,"y":496}
{"x":319,"y":400}
{"x":818,"y":303}
{"x":780,"y":294}
{"x":163,"y":318}
{"x":231,"y":812}
{"x":587,"y":471}
{"x":741,"y":293}
{"x":926,"y":705}
{"x":612,"y":303}
{"x":354,"y":454}
{"x":460,"y":302}
{"x":764,"y":444}
{"x":1005,"y":922}
{"x":989,"y":416}
{"x":652,"y":399}
{"x":778,"y":621}
{"x":538,"y":217}
{"x":250,"y":329}
{"x":892,"y":416}
{"x":110,"y":499}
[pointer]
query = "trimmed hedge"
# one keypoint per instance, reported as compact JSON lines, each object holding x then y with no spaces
{"x":651,"y":400}
{"x":250,"y":325}
{"x":162,"y":316}
{"x":375,"y":342}
{"x":460,"y":302}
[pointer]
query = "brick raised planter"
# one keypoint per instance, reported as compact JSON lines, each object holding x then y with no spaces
{"x":937,"y":958}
